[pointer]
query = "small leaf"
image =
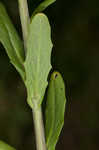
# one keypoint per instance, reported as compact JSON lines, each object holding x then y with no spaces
{"x":43,"y":6}
{"x":37,"y":64}
{"x":4,"y":146}
{"x":55,"y":109}
{"x":11,"y":41}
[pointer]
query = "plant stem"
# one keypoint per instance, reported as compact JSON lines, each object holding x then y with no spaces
{"x":25,"y":20}
{"x":39,"y":129}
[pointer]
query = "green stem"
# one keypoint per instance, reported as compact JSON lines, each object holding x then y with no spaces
{"x":39,"y":129}
{"x":25,"y":19}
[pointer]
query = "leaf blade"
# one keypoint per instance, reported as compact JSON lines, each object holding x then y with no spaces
{"x":55,"y":108}
{"x":4,"y":146}
{"x":13,"y":35}
{"x":43,"y":6}
{"x":37,"y":64}
{"x":11,"y":41}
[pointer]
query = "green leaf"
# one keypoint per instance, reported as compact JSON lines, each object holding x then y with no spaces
{"x":43,"y":6}
{"x":37,"y":64}
{"x":4,"y":146}
{"x":11,"y":41}
{"x":55,"y":109}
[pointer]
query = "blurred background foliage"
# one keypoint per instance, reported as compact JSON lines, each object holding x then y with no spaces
{"x":75,"y":34}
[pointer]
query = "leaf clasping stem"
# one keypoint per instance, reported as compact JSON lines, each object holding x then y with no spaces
{"x":36,"y":110}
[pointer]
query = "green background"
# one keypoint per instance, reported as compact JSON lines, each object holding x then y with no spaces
{"x":75,"y":34}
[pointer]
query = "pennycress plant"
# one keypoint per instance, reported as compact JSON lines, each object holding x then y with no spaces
{"x":31,"y":58}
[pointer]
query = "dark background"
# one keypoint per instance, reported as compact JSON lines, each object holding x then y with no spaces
{"x":75,"y":34}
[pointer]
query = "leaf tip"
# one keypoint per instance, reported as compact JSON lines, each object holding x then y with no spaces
{"x":55,"y":74}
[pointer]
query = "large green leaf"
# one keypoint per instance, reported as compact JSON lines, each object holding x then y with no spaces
{"x":43,"y":6}
{"x":55,"y":109}
{"x":4,"y":146}
{"x":11,"y":41}
{"x":37,"y":64}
